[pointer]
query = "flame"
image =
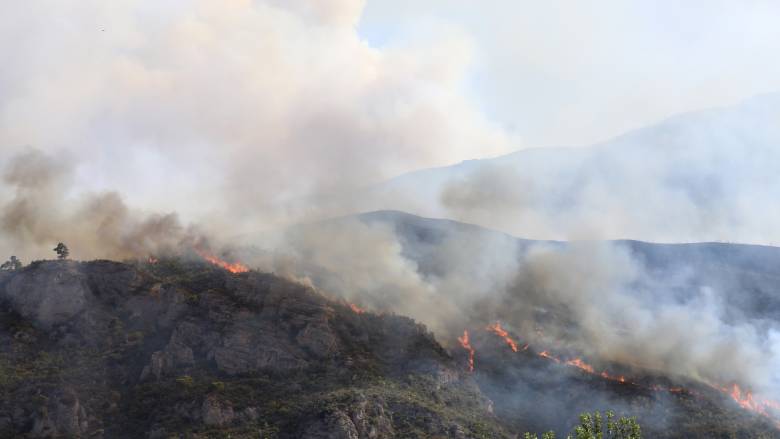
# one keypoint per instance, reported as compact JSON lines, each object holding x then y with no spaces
{"x":746,"y":400}
{"x":577,"y":362}
{"x":464,"y":341}
{"x":235,"y":267}
{"x":153,"y":260}
{"x":356,"y":309}
{"x":545,"y":354}
{"x":765,"y":407}
{"x":501,"y":332}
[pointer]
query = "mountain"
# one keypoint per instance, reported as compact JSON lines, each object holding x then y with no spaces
{"x":689,"y":327}
{"x":747,"y":276}
{"x":702,"y":176}
{"x":179,"y":347}
{"x":186,"y":349}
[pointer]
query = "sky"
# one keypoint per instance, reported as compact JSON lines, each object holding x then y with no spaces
{"x":259,"y":108}
{"x":566,"y":73}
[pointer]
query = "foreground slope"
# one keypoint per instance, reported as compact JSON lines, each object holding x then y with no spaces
{"x":106,"y":349}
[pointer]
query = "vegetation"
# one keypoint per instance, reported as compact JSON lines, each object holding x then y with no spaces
{"x":594,"y":426}
{"x":62,"y":251}
{"x":11,"y":264}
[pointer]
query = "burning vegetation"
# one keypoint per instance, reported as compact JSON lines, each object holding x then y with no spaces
{"x":766,"y":408}
{"x":233,"y":267}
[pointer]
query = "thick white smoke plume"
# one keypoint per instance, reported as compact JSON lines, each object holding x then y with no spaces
{"x":269,"y":110}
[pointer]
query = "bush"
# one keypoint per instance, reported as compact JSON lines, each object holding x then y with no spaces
{"x":594,"y":426}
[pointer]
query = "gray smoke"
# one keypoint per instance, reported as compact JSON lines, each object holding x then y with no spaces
{"x":43,"y":211}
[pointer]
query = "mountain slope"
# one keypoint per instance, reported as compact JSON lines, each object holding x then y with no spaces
{"x":105,"y":349}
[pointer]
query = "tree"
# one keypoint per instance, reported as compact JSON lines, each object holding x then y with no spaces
{"x":62,"y":251}
{"x":592,"y":426}
{"x":12,"y":264}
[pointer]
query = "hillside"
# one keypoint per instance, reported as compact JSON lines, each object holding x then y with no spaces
{"x":184,"y":348}
{"x":106,"y":349}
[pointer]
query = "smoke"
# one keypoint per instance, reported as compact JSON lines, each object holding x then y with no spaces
{"x":368,"y":261}
{"x":234,"y":117}
{"x":706,"y":176}
{"x":43,"y":212}
{"x":272,"y":111}
{"x":604,"y":301}
{"x":602,"y":293}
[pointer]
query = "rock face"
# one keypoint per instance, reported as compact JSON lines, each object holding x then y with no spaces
{"x":50,"y":295}
{"x":104,"y":349}
{"x":62,"y":416}
{"x":364,"y":418}
{"x":216,"y":412}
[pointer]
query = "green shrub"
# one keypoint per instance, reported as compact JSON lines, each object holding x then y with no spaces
{"x":594,"y":426}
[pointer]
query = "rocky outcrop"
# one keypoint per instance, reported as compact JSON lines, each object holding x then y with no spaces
{"x":371,"y":418}
{"x":364,"y":418}
{"x":216,"y":412}
{"x":334,"y":425}
{"x":61,"y":416}
{"x":49,"y":295}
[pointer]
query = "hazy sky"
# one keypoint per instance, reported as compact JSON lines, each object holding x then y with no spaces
{"x":570,"y":73}
{"x":210,"y":106}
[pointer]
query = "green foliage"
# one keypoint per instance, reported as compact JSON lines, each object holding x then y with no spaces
{"x":185,"y":380}
{"x":594,"y":426}
{"x":218,"y":386}
{"x":548,"y":435}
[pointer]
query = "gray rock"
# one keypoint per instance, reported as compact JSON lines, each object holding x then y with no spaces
{"x":62,"y":416}
{"x":370,"y":418}
{"x":335,"y":425}
{"x":216,"y":412}
{"x":50,"y":295}
{"x":318,"y":339}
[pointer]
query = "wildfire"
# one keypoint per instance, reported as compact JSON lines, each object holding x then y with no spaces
{"x":235,"y":267}
{"x":547,"y":355}
{"x":464,"y":341}
{"x":747,"y":401}
{"x":501,"y":332}
{"x":153,"y":260}
{"x":577,"y":362}
{"x":356,"y":309}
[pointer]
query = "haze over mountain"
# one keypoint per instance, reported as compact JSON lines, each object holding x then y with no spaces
{"x":702,"y":176}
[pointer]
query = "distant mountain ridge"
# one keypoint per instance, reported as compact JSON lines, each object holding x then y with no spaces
{"x":709,"y":175}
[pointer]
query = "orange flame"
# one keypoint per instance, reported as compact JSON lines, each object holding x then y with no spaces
{"x":577,"y":362}
{"x":547,"y":355}
{"x":768,"y":408}
{"x":464,"y":341}
{"x":745,"y":399}
{"x":235,"y":267}
{"x":153,"y":260}
{"x":356,"y":309}
{"x":501,"y":332}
